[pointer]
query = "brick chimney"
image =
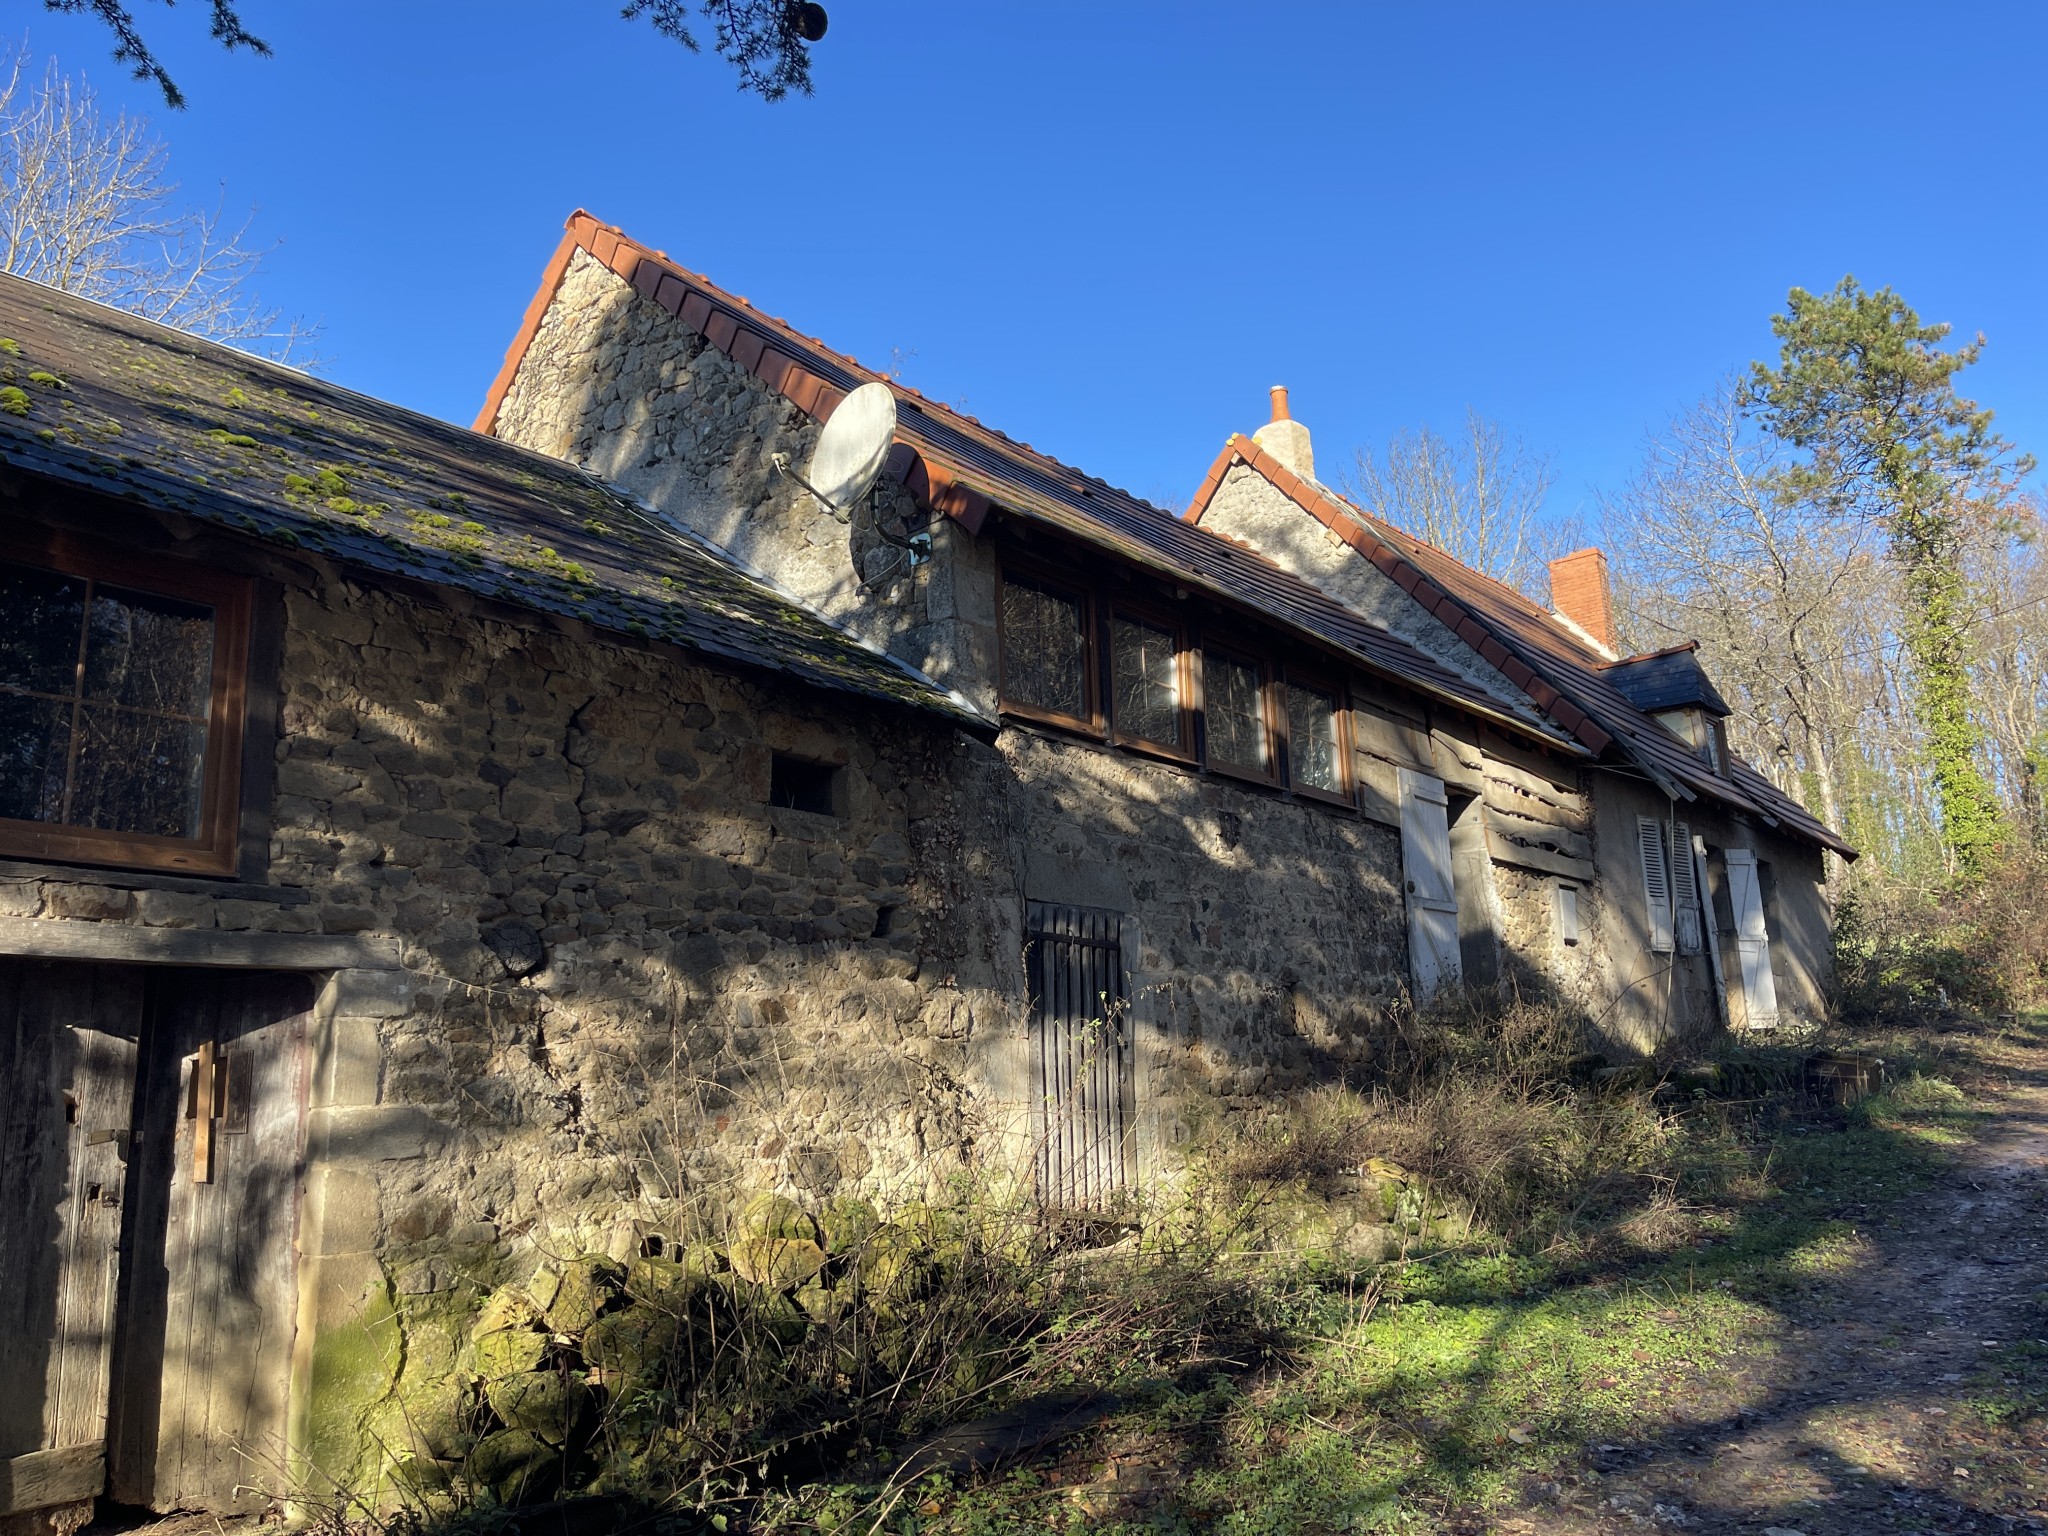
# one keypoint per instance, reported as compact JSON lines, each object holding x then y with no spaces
{"x":1287,"y":439}
{"x":1579,"y":595}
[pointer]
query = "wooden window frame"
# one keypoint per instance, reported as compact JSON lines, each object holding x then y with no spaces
{"x":1152,"y":617}
{"x":215,"y":850}
{"x":1302,"y":677}
{"x":1027,"y":573}
{"x":1270,"y":774}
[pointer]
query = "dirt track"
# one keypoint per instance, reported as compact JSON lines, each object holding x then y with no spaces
{"x":1861,"y":1419}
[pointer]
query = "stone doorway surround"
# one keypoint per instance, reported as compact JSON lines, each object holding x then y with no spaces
{"x":360,"y":981}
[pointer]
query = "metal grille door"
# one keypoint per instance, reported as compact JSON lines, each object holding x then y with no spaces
{"x":1074,"y":965}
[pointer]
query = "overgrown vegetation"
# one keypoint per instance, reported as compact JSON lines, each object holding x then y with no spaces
{"x":1382,"y":1302}
{"x":1906,"y":954}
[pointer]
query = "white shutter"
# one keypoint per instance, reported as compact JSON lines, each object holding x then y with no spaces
{"x":1685,"y":890}
{"x":1433,"y":957}
{"x":1752,"y":939}
{"x":1568,"y":914}
{"x":1656,"y":882}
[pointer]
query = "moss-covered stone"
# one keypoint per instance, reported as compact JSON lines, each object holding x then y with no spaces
{"x":775,"y":1216}
{"x":544,"y":1403}
{"x":589,"y":1285}
{"x":780,"y":1263}
{"x":631,"y":1347}
{"x":509,"y":1352}
{"x":516,"y":1466}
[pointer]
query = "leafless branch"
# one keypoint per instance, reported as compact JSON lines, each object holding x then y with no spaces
{"x":87,"y":205}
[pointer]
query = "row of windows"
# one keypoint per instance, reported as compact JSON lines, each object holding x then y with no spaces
{"x":1139,"y":676}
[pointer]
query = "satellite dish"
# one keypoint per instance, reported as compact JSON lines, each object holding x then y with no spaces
{"x":851,"y":450}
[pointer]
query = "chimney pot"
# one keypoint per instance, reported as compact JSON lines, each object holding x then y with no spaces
{"x":1287,"y":439}
{"x":1579,"y":592}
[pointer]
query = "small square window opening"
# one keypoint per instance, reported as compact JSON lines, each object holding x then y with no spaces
{"x":797,"y":784}
{"x":1568,"y":914}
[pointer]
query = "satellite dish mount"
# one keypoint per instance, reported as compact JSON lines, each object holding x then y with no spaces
{"x":851,"y":450}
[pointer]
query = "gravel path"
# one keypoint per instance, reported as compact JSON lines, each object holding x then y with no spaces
{"x":1861,"y":1419}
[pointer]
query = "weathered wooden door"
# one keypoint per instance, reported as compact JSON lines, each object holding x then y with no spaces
{"x":1074,"y":965}
{"x":1433,"y":955}
{"x":67,"y":1069}
{"x":209,"y":1303}
{"x":1752,"y":939}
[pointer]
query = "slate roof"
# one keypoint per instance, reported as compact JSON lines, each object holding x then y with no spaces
{"x":1667,"y":679}
{"x":1487,"y":612}
{"x":964,"y":469}
{"x":98,"y":398}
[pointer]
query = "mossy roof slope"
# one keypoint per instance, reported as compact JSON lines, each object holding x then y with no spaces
{"x":98,"y":398}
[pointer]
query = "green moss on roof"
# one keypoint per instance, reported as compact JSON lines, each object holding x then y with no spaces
{"x":304,"y":463}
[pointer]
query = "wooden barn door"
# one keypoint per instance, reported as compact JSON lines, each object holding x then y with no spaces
{"x":1074,"y":965}
{"x":67,"y":1069}
{"x":209,"y":1300}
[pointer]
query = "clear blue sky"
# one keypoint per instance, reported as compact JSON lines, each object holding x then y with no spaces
{"x":1105,"y":228}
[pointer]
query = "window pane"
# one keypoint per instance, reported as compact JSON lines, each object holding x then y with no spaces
{"x":137,"y":772}
{"x":1147,"y":682}
{"x":1044,"y":651}
{"x":149,"y":652}
{"x":40,"y":615}
{"x":35,"y":741}
{"x":1230,"y":708}
{"x":1312,"y":739}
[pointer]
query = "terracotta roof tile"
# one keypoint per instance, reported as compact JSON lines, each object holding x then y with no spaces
{"x":965,"y":469}
{"x":1556,"y":668}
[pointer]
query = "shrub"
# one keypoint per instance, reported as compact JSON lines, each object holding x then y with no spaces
{"x":1982,"y":948}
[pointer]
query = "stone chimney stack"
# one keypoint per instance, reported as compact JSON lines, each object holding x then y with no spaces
{"x":1579,"y":595}
{"x":1287,"y":439}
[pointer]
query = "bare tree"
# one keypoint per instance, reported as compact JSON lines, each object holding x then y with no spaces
{"x":1789,"y":601}
{"x":87,"y":205}
{"x":1477,"y":499}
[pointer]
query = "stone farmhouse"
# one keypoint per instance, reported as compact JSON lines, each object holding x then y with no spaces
{"x":423,"y":851}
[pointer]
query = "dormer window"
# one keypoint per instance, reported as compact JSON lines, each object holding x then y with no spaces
{"x":1701,"y":731}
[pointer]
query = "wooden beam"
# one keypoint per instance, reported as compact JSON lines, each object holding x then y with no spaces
{"x":1505,"y":850}
{"x":62,"y":1476}
{"x":1509,"y":801}
{"x":60,"y":939}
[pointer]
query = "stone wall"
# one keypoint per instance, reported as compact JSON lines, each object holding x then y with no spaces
{"x":623,"y":994}
{"x":1250,"y":508}
{"x":614,"y":382}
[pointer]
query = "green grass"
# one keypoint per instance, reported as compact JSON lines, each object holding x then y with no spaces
{"x":1481,"y":1373}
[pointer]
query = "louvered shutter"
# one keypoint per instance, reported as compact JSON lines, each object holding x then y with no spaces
{"x":1656,"y":881}
{"x":1685,"y":890}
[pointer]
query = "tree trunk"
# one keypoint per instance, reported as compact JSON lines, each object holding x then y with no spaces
{"x":1926,"y":546}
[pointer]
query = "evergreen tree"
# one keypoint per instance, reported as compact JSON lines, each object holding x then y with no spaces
{"x":1865,"y":390}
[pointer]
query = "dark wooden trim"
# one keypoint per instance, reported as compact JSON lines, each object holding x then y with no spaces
{"x":1341,"y":717}
{"x":261,"y":729}
{"x":1031,"y":574}
{"x":214,"y":851}
{"x":1153,"y":616}
{"x":1270,"y":774}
